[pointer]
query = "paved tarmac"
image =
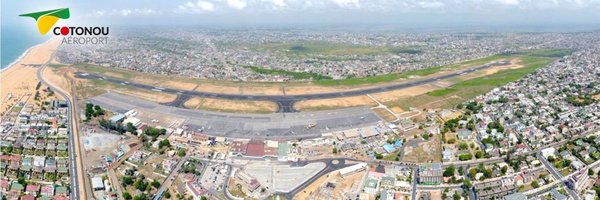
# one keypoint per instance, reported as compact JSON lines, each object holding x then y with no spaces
{"x":285,"y":102}
{"x":266,"y":126}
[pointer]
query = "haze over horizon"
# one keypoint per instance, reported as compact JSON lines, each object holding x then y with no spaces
{"x":526,"y":15}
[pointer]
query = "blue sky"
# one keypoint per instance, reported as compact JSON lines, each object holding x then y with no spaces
{"x":430,"y":13}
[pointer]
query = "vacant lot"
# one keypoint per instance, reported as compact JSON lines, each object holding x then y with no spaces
{"x":231,"y":105}
{"x":385,"y":114}
{"x":424,"y":152}
{"x":328,"y":104}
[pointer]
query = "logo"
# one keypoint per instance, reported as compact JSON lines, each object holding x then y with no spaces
{"x":47,"y":19}
{"x":73,"y":34}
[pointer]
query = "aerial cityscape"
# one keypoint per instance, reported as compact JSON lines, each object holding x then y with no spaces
{"x":295,"y":100}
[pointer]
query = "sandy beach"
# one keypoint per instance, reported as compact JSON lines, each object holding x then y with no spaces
{"x":19,"y":80}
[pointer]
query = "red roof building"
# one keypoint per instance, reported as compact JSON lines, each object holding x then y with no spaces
{"x":28,"y":197}
{"x":255,"y":148}
{"x":238,"y":147}
{"x":597,"y":184}
{"x":32,"y":189}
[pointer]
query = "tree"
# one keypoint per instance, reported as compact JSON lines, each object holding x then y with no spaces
{"x":203,"y":198}
{"x":131,"y":128}
{"x":504,"y":170}
{"x":143,"y":137}
{"x":22,"y":181}
{"x":141,"y":196}
{"x":478,"y":154}
{"x":126,"y":195}
{"x":378,"y":156}
{"x":463,"y":146}
{"x":335,"y":150}
{"x":472,"y":172}
{"x":449,"y":171}
{"x":167,"y":195}
{"x":551,"y":159}
{"x":164,"y":143}
{"x":155,"y":184}
{"x":467,"y":183}
{"x":181,"y":153}
{"x":89,"y":111}
{"x":456,"y":196}
{"x":127,"y":180}
{"x":535,"y":184}
{"x":464,"y":157}
{"x":140,"y":184}
{"x":487,"y":173}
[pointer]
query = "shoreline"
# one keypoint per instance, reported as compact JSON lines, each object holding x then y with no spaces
{"x":13,"y":63}
{"x":18,"y":80}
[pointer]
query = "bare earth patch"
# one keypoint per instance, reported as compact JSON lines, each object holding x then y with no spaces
{"x":412,"y":91}
{"x":178,"y":85}
{"x":342,"y":102}
{"x":257,"y":90}
{"x":385,"y":114}
{"x":158,"y":97}
{"x":57,"y":77}
{"x":231,"y":105}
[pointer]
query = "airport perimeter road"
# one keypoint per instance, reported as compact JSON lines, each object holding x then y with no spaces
{"x":75,"y":171}
{"x":285,"y":102}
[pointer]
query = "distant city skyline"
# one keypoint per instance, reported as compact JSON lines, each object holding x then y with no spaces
{"x":499,"y":14}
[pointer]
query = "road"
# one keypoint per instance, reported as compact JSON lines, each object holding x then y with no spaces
{"x":169,"y":180}
{"x":330,"y":166}
{"x":415,"y":178}
{"x":75,"y":166}
{"x":556,"y":175}
{"x":284,"y":102}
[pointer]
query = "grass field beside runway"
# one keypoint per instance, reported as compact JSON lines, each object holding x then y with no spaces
{"x":468,"y":89}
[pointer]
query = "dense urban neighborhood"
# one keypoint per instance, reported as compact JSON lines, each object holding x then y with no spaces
{"x":295,"y":113}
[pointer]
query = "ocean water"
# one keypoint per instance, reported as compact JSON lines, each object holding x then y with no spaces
{"x":15,"y":40}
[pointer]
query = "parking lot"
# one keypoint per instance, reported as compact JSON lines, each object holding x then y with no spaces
{"x":214,"y":176}
{"x":281,"y":177}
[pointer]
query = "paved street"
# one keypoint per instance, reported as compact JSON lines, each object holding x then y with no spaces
{"x":75,"y":173}
{"x":169,"y":180}
{"x":556,"y":175}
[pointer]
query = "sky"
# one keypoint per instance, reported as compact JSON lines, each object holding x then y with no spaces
{"x":408,"y":13}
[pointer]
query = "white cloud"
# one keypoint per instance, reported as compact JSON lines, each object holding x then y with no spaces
{"x":509,"y":2}
{"x":205,"y":5}
{"x":276,"y":3}
{"x":237,"y":4}
{"x":125,"y":12}
{"x":347,"y":3}
{"x":199,"y":7}
{"x":432,"y":4}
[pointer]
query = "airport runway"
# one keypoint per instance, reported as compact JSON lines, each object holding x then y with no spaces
{"x":285,"y":102}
